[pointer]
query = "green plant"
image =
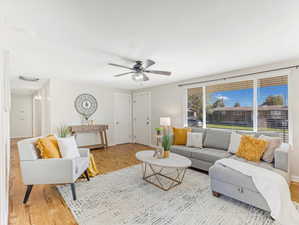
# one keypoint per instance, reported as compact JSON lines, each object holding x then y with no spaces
{"x":63,"y":131}
{"x":166,"y":143}
{"x":159,"y":130}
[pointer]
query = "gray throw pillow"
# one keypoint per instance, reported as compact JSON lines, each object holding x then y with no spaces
{"x":273,"y":143}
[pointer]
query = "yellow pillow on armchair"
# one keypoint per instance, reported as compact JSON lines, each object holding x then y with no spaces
{"x":180,"y":136}
{"x":48,"y":148}
{"x":251,"y":148}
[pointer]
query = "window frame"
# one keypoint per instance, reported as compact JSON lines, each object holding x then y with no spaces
{"x":255,"y":79}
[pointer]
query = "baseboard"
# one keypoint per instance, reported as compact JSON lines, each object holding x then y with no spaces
{"x":295,"y":178}
{"x":153,"y":146}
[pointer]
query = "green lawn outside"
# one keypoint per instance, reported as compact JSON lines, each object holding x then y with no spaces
{"x":220,"y":126}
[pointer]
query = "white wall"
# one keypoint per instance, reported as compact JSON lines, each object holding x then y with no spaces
{"x":42,"y":111}
{"x":21,"y":116}
{"x":4,"y":137}
{"x":62,"y":97}
{"x":169,"y":100}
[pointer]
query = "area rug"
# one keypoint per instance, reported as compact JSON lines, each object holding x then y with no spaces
{"x":124,"y":198}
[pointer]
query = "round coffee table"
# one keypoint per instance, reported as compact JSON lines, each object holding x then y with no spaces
{"x":155,"y":166}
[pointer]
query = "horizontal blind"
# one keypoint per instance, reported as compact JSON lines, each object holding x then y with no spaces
{"x":272,"y":97}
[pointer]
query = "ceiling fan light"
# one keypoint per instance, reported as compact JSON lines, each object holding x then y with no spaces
{"x":137,"y":77}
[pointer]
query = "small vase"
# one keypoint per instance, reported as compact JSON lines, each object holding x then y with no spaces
{"x":166,"y":154}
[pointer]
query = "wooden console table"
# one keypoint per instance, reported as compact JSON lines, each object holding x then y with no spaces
{"x":100,"y":129}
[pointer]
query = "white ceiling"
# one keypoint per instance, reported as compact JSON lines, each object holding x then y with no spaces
{"x":21,"y":87}
{"x":75,"y":39}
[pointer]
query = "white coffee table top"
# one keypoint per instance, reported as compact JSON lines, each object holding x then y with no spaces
{"x":173,"y":161}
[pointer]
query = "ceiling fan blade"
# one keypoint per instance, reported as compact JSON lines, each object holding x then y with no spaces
{"x":122,"y":74}
{"x":145,"y":78}
{"x":149,"y":63}
{"x":166,"y":73}
{"x":113,"y":64}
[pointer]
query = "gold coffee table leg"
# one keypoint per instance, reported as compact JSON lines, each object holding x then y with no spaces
{"x":180,"y":174}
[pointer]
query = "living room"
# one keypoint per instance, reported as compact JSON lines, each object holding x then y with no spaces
{"x":149,"y":112}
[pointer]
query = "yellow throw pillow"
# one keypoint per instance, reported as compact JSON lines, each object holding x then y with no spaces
{"x":48,"y":147}
{"x":53,"y":139}
{"x":180,"y":136}
{"x":251,"y":148}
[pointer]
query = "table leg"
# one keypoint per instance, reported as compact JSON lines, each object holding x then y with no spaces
{"x":105,"y":137}
{"x":178,"y":179}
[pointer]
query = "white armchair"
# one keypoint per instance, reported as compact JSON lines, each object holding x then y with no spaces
{"x":49,"y":171}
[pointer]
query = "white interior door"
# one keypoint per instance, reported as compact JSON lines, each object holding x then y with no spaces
{"x":122,"y":118}
{"x":21,"y":116}
{"x":141,"y":118}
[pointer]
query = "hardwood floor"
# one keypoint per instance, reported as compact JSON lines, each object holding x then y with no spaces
{"x":46,"y":206}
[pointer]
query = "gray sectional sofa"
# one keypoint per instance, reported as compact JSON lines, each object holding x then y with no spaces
{"x":225,"y":180}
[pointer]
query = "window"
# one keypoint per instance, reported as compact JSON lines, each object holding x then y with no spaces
{"x":230,"y":106}
{"x":195,"y":109}
{"x":272,"y":97}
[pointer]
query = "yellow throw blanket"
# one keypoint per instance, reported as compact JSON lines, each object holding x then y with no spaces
{"x":92,"y":169}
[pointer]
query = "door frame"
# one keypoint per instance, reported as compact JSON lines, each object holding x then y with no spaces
{"x":149,"y":115}
{"x":114,"y":117}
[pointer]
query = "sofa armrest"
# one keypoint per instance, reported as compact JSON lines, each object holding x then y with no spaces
{"x":48,"y":171}
{"x":281,"y":157}
{"x":84,"y":152}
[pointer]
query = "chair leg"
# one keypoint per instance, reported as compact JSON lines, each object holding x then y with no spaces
{"x":73,"y":191}
{"x":216,"y":194}
{"x":27,"y":194}
{"x":86,"y":174}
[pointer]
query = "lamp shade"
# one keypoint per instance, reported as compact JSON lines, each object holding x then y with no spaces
{"x":164,"y":121}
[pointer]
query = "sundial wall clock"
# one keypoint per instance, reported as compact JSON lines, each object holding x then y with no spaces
{"x":86,"y":105}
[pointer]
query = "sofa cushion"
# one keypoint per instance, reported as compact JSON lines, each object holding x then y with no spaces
{"x":183,"y":150}
{"x":180,"y":135}
{"x":269,"y":134}
{"x":269,"y":166}
{"x":217,"y":139}
{"x":251,"y":148}
{"x":210,"y":154}
{"x":228,"y":175}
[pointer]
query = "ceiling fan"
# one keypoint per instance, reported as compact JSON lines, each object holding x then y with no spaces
{"x":139,"y":70}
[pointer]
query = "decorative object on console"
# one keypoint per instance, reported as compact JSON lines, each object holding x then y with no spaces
{"x":166,"y":144}
{"x":86,"y":105}
{"x":63,"y":131}
{"x":159,"y":130}
{"x":158,"y":135}
{"x":159,"y":153}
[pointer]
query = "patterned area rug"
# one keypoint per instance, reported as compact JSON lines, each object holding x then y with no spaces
{"x":123,"y":198}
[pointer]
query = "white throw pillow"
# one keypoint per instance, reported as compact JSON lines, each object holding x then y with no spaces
{"x":68,"y":147}
{"x":194,"y":140}
{"x":273,"y":144}
{"x":235,"y":140}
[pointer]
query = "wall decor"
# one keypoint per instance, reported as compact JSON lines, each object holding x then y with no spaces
{"x":86,"y":105}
